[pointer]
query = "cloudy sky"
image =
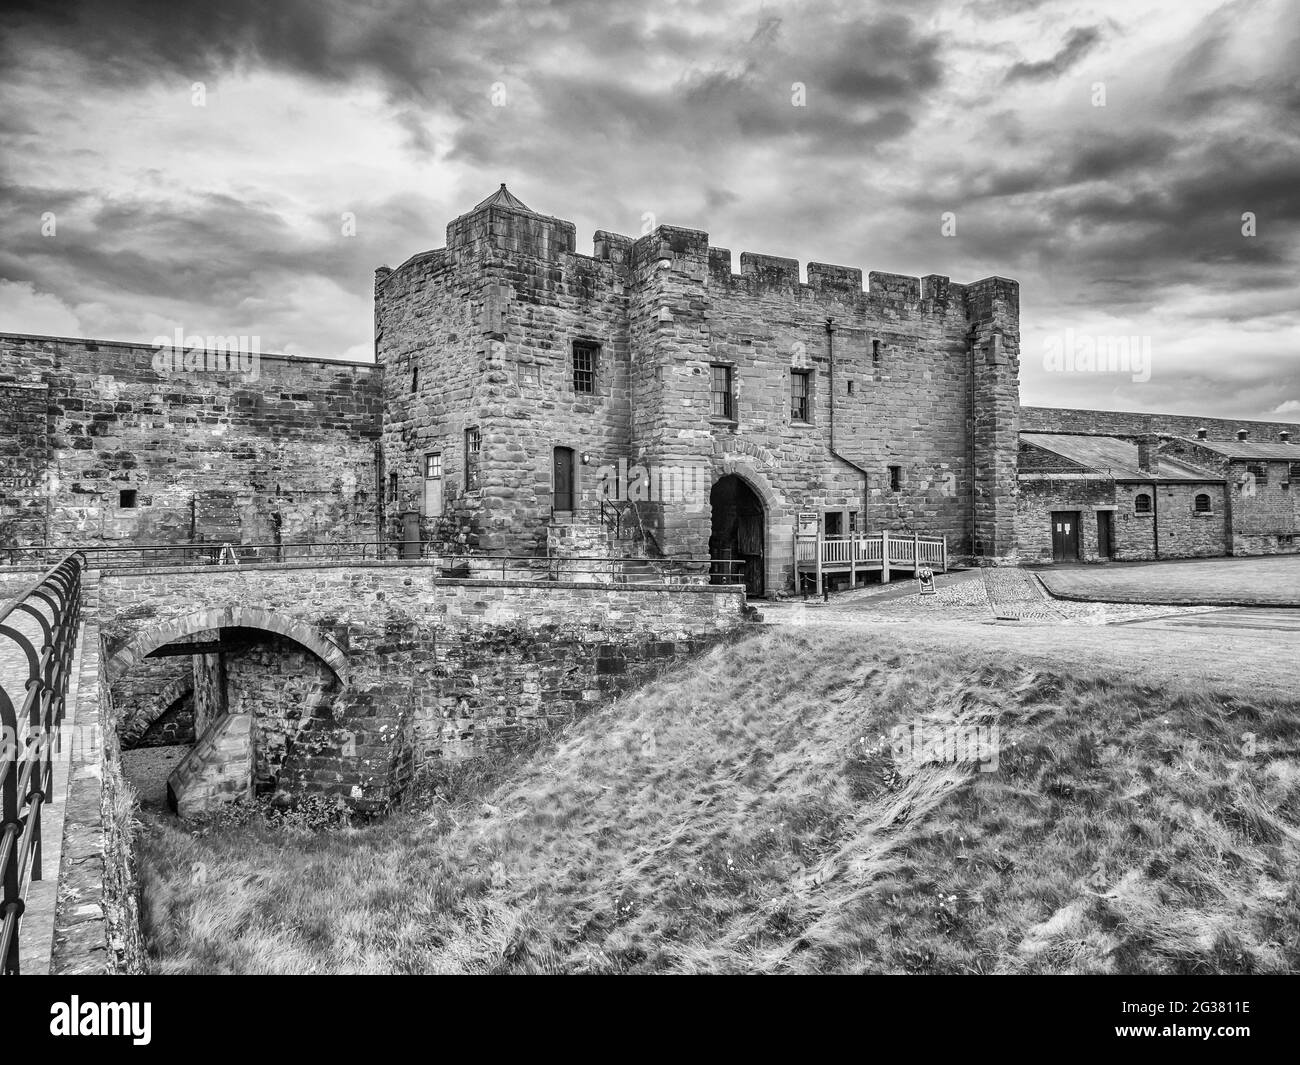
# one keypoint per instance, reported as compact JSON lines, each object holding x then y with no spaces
{"x":1104,"y":154}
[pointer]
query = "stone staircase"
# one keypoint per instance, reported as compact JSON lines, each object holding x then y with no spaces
{"x":218,"y":769}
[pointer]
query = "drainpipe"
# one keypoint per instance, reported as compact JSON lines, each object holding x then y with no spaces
{"x":866,"y":477}
{"x":971,"y":336}
{"x":1155,"y":518}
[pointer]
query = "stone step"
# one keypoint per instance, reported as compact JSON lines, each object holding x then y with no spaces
{"x":218,"y":769}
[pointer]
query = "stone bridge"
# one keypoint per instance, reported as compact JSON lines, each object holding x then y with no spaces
{"x":344,"y":679}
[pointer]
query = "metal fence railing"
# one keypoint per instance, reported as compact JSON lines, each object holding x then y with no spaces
{"x":452,"y":560}
{"x":38,"y":636}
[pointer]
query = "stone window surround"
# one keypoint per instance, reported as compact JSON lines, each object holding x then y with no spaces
{"x":808,"y":397}
{"x":473,"y":449}
{"x":730,"y":417}
{"x":1138,"y":509}
{"x":591,"y":370}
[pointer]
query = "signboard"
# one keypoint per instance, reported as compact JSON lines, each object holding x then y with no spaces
{"x":925,"y":580}
{"x":806,"y":522}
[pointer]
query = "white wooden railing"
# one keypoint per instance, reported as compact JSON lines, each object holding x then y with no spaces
{"x":868,"y":550}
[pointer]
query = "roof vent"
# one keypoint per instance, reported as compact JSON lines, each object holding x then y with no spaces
{"x":1284,"y":436}
{"x":1202,"y":433}
{"x":1242,"y":434}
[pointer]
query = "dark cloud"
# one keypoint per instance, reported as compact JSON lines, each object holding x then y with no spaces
{"x":1078,"y":43}
{"x":615,"y":110}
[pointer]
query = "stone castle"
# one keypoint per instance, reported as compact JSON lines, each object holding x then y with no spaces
{"x":528,"y":399}
{"x":518,"y":372}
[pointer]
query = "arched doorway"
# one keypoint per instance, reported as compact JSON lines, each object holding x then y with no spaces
{"x":739,"y":529}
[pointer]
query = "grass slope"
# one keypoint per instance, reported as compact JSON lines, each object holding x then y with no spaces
{"x":747,"y":815}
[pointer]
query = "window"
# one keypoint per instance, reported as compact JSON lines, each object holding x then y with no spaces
{"x":834,"y":523}
{"x":850,"y":386}
{"x":799,"y":395}
{"x":584,"y":366}
{"x":721,"y":391}
{"x":126,"y":499}
{"x":875,"y":351}
{"x":392,"y":488}
{"x":1142,"y":504}
{"x":1295,"y":472}
{"x":1260,"y":470}
{"x":433,"y":484}
{"x":415,"y":379}
{"x":895,"y":478}
{"x":473,"y":446}
{"x":1202,"y":505}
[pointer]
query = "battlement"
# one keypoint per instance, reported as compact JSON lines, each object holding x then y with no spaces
{"x":513,"y":231}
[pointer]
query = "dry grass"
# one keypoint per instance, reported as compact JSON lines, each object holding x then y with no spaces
{"x":744,"y":816}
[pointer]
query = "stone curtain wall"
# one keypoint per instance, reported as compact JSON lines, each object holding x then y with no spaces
{"x":1133,"y":423}
{"x":428,"y":668}
{"x":289,"y":455}
{"x":24,"y":460}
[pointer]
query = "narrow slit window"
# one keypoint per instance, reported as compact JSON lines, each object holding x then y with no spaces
{"x":895,"y":478}
{"x":473,"y":448}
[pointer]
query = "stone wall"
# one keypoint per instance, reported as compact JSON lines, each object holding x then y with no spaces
{"x":211,"y":455}
{"x":24,"y":460}
{"x":96,"y":920}
{"x":1134,"y":423}
{"x":426,"y":667}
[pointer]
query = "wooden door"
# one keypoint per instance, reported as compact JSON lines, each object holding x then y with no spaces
{"x":562,"y":478}
{"x":1065,"y":535}
{"x":1105,"y":533}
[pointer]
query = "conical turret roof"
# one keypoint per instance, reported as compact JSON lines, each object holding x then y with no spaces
{"x":504,"y":198}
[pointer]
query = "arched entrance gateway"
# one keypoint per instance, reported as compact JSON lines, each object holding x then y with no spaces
{"x":739,"y":530}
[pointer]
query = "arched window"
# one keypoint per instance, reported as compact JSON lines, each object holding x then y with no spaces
{"x":1142,"y":504}
{"x":1202,"y":504}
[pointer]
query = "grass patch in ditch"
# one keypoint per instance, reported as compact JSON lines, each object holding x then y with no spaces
{"x":748,"y":815}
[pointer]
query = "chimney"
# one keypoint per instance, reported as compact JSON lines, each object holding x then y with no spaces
{"x":1284,"y":436}
{"x":1201,"y":434}
{"x":1147,"y":444}
{"x":1242,"y":434}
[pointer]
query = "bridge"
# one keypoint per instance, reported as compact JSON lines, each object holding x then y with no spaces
{"x":340,"y":676}
{"x":884,"y":553}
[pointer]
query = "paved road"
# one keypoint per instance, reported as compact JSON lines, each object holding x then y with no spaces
{"x":1245,"y":652}
{"x":1271,"y":580}
{"x":1284,"y":622}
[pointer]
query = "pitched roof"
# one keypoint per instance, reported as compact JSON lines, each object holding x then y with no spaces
{"x":1245,"y":449}
{"x":1115,"y":457}
{"x":504,"y":198}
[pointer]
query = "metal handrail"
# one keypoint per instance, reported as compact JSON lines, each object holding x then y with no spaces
{"x":452,"y":555}
{"x":27,"y":759}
